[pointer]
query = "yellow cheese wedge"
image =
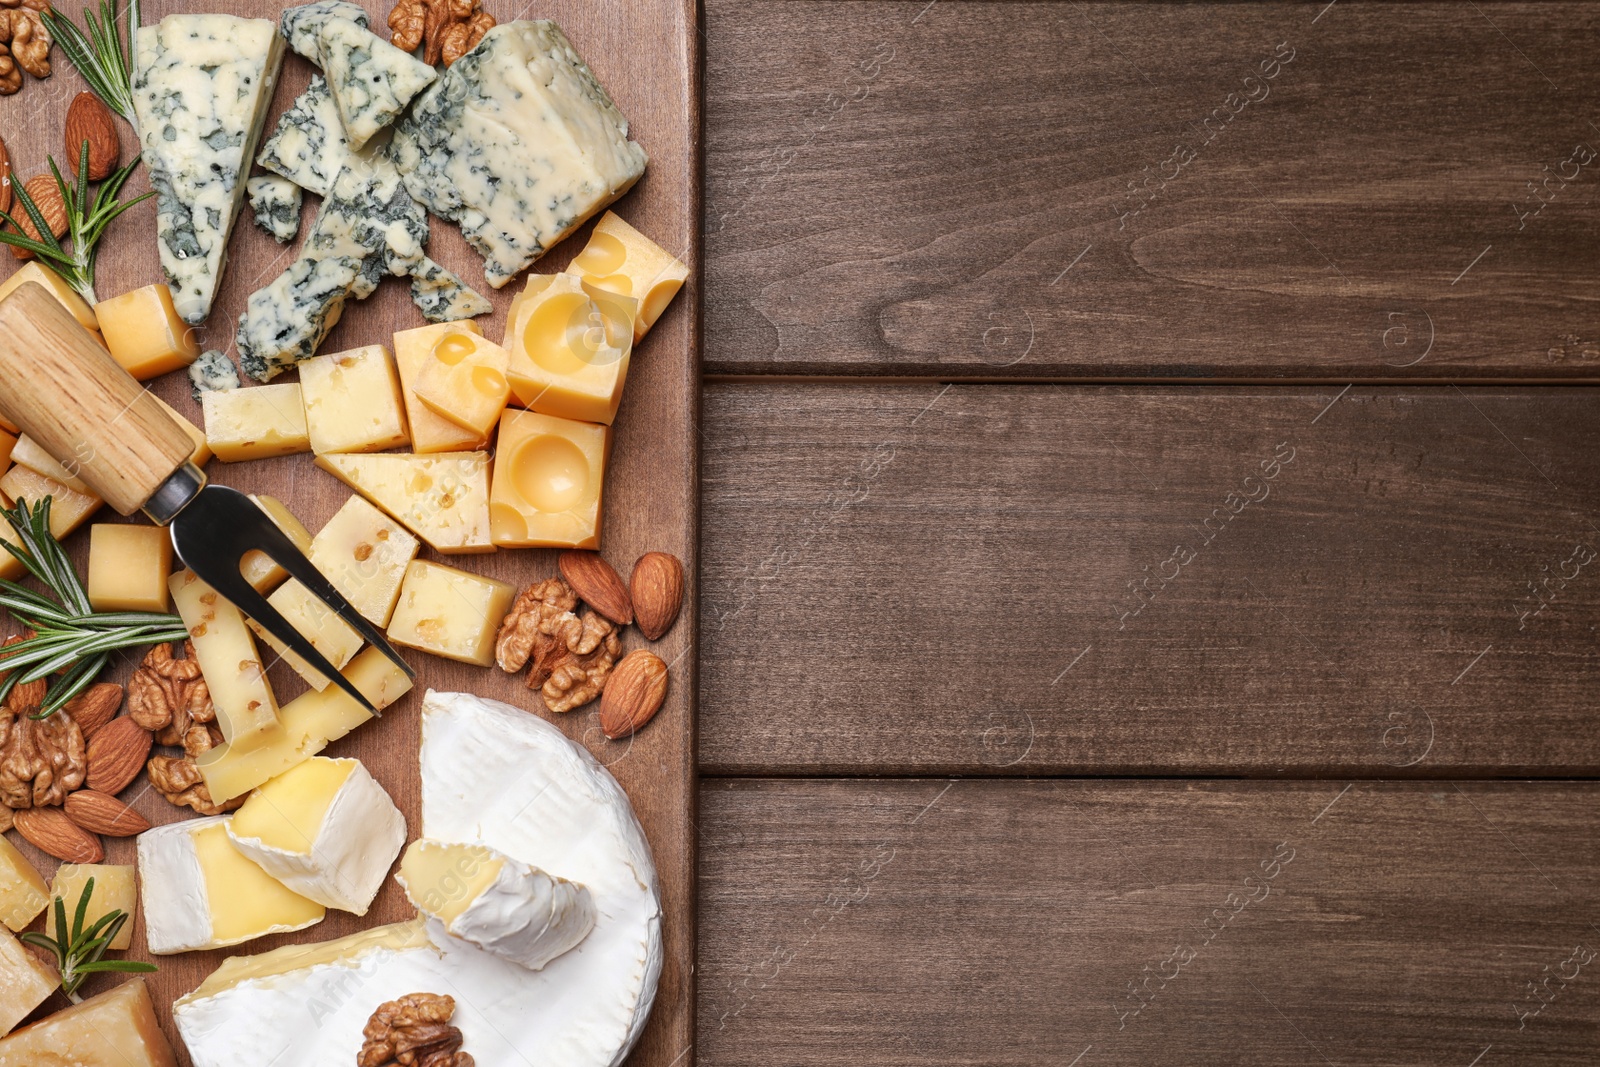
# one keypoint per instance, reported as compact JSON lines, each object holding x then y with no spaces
{"x":255,"y":423}
{"x":571,"y":344}
{"x":413,"y":349}
{"x":118,"y":1028}
{"x":465,"y":381}
{"x":67,"y":296}
{"x":443,"y":499}
{"x":25,"y":983}
{"x":238,"y":969}
{"x":113,"y":891}
{"x":144,"y":333}
{"x":69,"y":509}
{"x":202,"y":449}
{"x":129,"y":567}
{"x":258,"y":569}
{"x":353,"y":401}
{"x":625,"y":261}
{"x":364,"y":554}
{"x":309,"y":724}
{"x":549,"y":474}
{"x":22,"y":890}
{"x":246,"y":708}
{"x":328,"y":634}
{"x":29,"y":453}
{"x":450,"y":613}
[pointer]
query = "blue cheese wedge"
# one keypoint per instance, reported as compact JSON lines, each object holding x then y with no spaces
{"x":443,"y":297}
{"x":213,"y":372}
{"x":371,"y":80}
{"x":302,"y":25}
{"x":276,"y":203}
{"x":202,"y":85}
{"x":519,"y":144}
{"x":308,"y":147}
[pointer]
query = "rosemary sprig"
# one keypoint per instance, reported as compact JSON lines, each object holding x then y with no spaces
{"x":86,"y":223}
{"x":100,"y":54}
{"x":68,"y":633}
{"x":78,"y":954}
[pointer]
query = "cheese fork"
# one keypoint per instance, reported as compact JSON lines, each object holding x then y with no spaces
{"x":66,"y":392}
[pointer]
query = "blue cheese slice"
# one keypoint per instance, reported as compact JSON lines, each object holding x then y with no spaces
{"x":301,"y":25}
{"x":443,"y":297}
{"x":202,"y":85}
{"x":519,"y":144}
{"x":308,"y":147}
{"x":370,"y":79}
{"x":213,"y":372}
{"x":276,"y":203}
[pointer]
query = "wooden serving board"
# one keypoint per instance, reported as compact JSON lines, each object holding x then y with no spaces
{"x":647,"y":56}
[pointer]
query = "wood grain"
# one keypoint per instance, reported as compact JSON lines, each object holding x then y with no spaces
{"x":933,"y":922}
{"x":1028,"y":579}
{"x":1040,"y":190}
{"x":647,"y":55}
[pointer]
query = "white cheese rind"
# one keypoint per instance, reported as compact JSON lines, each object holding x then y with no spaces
{"x":202,"y":85}
{"x":518,"y":143}
{"x":177,"y":915}
{"x":276,"y":203}
{"x":360,"y":836}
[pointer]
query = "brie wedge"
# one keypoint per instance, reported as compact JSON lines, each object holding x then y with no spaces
{"x":326,"y":829}
{"x":496,"y":776}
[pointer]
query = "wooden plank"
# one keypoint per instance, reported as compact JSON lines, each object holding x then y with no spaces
{"x":1031,"y":579}
{"x":647,"y":56}
{"x":1098,"y":924}
{"x":1089,"y":191}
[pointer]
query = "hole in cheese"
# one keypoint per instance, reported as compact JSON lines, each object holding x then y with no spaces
{"x":604,"y":254}
{"x":551,"y":473}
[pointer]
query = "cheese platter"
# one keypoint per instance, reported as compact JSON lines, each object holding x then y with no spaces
{"x":418,"y":278}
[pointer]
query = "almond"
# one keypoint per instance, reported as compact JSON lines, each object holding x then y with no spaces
{"x":633,"y":694}
{"x":95,"y":707}
{"x":657,"y":588}
{"x":90,"y":120}
{"x":102,"y":813}
{"x":597,"y":584}
{"x":5,"y":178}
{"x":46,"y":196}
{"x":116,"y":753}
{"x":51,"y":832}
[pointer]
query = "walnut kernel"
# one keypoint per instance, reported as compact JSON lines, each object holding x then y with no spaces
{"x":413,"y":1031}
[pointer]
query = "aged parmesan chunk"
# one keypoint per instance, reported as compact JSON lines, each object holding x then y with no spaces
{"x":371,"y":80}
{"x":276,"y":202}
{"x":201,"y":88}
{"x":518,"y":143}
{"x":443,"y":297}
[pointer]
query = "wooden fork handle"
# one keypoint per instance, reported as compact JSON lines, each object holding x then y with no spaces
{"x":66,"y":392}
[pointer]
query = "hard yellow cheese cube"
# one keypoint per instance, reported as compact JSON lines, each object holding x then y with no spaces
{"x":66,"y":295}
{"x":113,"y":891}
{"x":144,"y":333}
{"x":129,"y":567}
{"x":118,"y":1028}
{"x":413,"y":349}
{"x":69,"y":509}
{"x":450,"y":613}
{"x":465,"y":381}
{"x":328,"y":634}
{"x":309,"y":723}
{"x":246,"y":708}
{"x":548,"y":477}
{"x":267,"y":420}
{"x":443,"y":499}
{"x":25,"y":983}
{"x":570,"y":348}
{"x":353,"y":401}
{"x":202,"y":450}
{"x":22,"y":889}
{"x":364,"y":553}
{"x":621,"y":259}
{"x":29,"y":453}
{"x":257,"y":567}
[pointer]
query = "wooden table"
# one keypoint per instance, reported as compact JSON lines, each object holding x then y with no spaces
{"x":1148,"y":601}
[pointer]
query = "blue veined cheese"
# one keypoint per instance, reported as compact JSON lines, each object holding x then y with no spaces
{"x":371,"y":80}
{"x":309,"y":146}
{"x":213,"y":372}
{"x":276,"y":203}
{"x":443,"y":297}
{"x":518,"y":143}
{"x":202,"y":85}
{"x":300,"y":25}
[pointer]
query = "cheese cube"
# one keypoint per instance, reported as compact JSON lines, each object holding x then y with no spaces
{"x":364,"y":554}
{"x":129,"y":567}
{"x":325,"y":829}
{"x":144,"y":333}
{"x":246,"y":709}
{"x":118,"y":1028}
{"x":498,"y":903}
{"x":465,"y":381}
{"x":443,"y":499}
{"x":450,"y":613}
{"x":113,"y":891}
{"x":330,"y":635}
{"x":22,"y":889}
{"x":69,"y":509}
{"x":25,"y":983}
{"x":200,"y":892}
{"x":202,"y":449}
{"x":29,"y":453}
{"x":65,"y":294}
{"x":623,"y":260}
{"x":309,"y":724}
{"x":413,"y":349}
{"x":268,"y":420}
{"x":258,"y":568}
{"x":353,"y":401}
{"x":571,"y":345}
{"x":548,"y":478}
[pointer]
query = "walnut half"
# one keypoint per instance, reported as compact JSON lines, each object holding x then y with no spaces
{"x":413,"y":1031}
{"x":568,"y":656}
{"x":445,"y":30}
